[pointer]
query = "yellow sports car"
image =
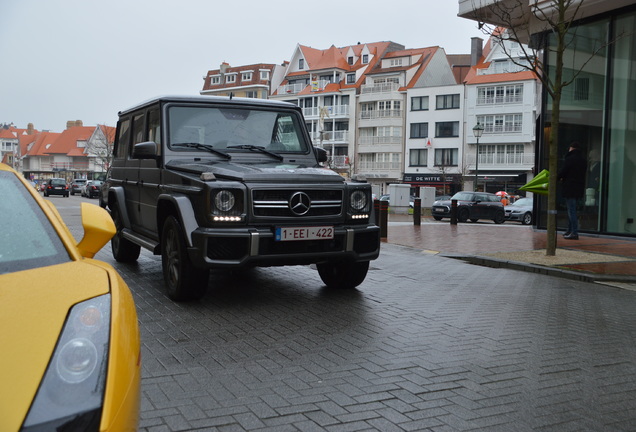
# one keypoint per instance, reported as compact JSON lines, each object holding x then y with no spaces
{"x":69,"y":340}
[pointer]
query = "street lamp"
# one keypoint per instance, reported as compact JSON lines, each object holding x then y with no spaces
{"x":478,"y":130}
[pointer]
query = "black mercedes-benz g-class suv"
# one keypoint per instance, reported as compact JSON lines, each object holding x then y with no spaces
{"x":215,"y":182}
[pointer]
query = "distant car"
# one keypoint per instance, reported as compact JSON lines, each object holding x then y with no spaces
{"x":442,"y":198}
{"x":76,"y":186}
{"x":71,"y":358}
{"x":520,"y":210}
{"x":91,"y":188}
{"x":56,"y":186}
{"x":471,"y":205}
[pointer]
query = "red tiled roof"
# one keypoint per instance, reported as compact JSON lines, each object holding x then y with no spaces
{"x":502,"y":77}
{"x":67,"y":140}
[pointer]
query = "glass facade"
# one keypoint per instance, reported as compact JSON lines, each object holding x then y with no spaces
{"x":598,"y":110}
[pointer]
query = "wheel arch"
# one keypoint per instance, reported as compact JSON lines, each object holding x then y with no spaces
{"x":180,"y":207}
{"x":116,"y":197}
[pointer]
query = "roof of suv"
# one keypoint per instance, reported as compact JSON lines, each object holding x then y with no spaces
{"x":211,"y":99}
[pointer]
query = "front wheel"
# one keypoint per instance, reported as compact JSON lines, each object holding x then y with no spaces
{"x":343,"y":275}
{"x":527,"y":219}
{"x":183,"y":280}
{"x":123,"y":249}
{"x":499,"y":218}
{"x":463,"y":214}
{"x":437,"y":218}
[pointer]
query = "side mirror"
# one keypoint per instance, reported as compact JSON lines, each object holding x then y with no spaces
{"x":99,"y":228}
{"x":321,"y":154}
{"x":145,"y":150}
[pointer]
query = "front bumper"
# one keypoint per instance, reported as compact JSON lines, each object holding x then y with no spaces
{"x":252,"y":246}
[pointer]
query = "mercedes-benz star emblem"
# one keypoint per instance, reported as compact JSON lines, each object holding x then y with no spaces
{"x":299,"y":203}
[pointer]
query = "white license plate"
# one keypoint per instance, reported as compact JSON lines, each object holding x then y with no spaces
{"x":439,"y":210}
{"x":304,"y":233}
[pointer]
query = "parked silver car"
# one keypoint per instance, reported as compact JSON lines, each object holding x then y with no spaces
{"x":520,"y":210}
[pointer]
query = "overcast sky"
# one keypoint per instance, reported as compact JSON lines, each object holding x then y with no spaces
{"x":86,"y":60}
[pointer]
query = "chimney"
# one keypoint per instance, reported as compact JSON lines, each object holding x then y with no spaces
{"x":79,"y":123}
{"x":30,"y":129}
{"x":476,"y":47}
{"x":224,"y":67}
{"x":73,"y":123}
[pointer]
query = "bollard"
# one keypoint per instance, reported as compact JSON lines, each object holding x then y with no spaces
{"x":417,"y":211}
{"x":384,"y":219}
{"x":453,"y":212}
{"x":376,"y":211}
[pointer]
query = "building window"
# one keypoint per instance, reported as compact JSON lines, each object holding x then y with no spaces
{"x":246,"y":76}
{"x":419,"y":103}
{"x":494,"y":95}
{"x":365,"y":58}
{"x":215,"y":80}
{"x":501,"y":123}
{"x":301,"y":63}
{"x":446,"y":129}
{"x":230,"y":78}
{"x":350,"y":60}
{"x":419,"y":130}
{"x":396,"y":62}
{"x":447,"y":101}
{"x":582,"y":89}
{"x":446,"y":157}
{"x":251,"y":94}
{"x":264,"y":75}
{"x":351,"y":78}
{"x":418,"y":157}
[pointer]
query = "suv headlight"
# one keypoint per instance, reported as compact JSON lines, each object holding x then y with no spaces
{"x":359,"y":204}
{"x":72,"y":390}
{"x":227,"y":205}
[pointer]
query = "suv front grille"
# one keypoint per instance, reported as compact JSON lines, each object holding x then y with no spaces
{"x":276,"y":202}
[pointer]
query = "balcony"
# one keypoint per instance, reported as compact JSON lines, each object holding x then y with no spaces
{"x":332,"y":110}
{"x":340,"y":161}
{"x":501,"y":161}
{"x":380,"y":88}
{"x":329,"y":136}
{"x":379,"y":166}
{"x":370,"y":140}
{"x":291,"y":88}
{"x":381,"y":114}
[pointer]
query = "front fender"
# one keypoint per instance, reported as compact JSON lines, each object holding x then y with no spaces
{"x":184,"y":213}
{"x":117,"y":197}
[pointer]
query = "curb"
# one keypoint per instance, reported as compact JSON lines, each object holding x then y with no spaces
{"x":535,"y":268}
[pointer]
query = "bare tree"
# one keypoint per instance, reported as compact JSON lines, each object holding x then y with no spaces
{"x":100,"y":146}
{"x":526,"y":25}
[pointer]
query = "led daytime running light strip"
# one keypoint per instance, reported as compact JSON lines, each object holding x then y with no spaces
{"x":360,"y":216}
{"x":227,"y":219}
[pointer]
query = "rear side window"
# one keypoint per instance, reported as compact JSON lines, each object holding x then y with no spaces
{"x":123,"y":138}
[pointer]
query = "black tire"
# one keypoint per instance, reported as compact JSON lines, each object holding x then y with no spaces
{"x":183,"y":280}
{"x":343,"y":275}
{"x":463,"y":214}
{"x":437,"y":217}
{"x":500,"y":217}
{"x":123,"y":249}
{"x":45,"y":194}
{"x":474,"y":220}
{"x":526,"y":219}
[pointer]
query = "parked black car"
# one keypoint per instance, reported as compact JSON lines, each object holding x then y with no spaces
{"x":91,"y":188}
{"x":56,"y":186}
{"x":471,"y":205}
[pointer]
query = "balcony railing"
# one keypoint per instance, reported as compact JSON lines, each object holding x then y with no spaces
{"x":340,"y":161}
{"x":69,"y":166}
{"x":291,"y":88}
{"x":502,"y":160}
{"x":501,"y":129}
{"x":379,"y":166}
{"x":377,"y":114}
{"x":495,"y":100}
{"x":332,"y":111}
{"x":380,"y":88}
{"x":380,"y":140}
{"x":329,"y":136}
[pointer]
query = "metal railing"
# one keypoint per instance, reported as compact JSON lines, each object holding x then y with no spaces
{"x":380,"y":140}
{"x":376,"y":114}
{"x":380,"y":88}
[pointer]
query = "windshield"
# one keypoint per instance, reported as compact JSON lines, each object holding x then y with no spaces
{"x":31,"y":240}
{"x":523,"y":202}
{"x":234,"y":129}
{"x":463,"y":196}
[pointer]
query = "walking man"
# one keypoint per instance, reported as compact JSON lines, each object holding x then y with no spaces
{"x":572,"y":174}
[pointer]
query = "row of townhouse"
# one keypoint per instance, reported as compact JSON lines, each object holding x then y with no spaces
{"x":77,"y":152}
{"x":397,"y":115}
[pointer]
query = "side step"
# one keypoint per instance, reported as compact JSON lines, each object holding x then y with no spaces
{"x":145,"y":242}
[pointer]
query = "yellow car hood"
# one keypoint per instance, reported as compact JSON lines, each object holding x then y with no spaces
{"x":34,"y":305}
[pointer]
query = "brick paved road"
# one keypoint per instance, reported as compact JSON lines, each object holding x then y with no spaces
{"x":426,"y":343}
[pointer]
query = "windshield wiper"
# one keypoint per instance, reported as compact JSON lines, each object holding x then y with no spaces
{"x":258,"y":148}
{"x":202,"y":147}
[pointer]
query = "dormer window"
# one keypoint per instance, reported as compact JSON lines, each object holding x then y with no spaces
{"x":301,"y":63}
{"x":350,"y":60}
{"x":351,"y":78}
{"x":264,"y":74}
{"x":396,"y":62}
{"x":365,"y":58}
{"x":215,"y":80}
{"x":230,"y":78}
{"x":246,"y":76}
